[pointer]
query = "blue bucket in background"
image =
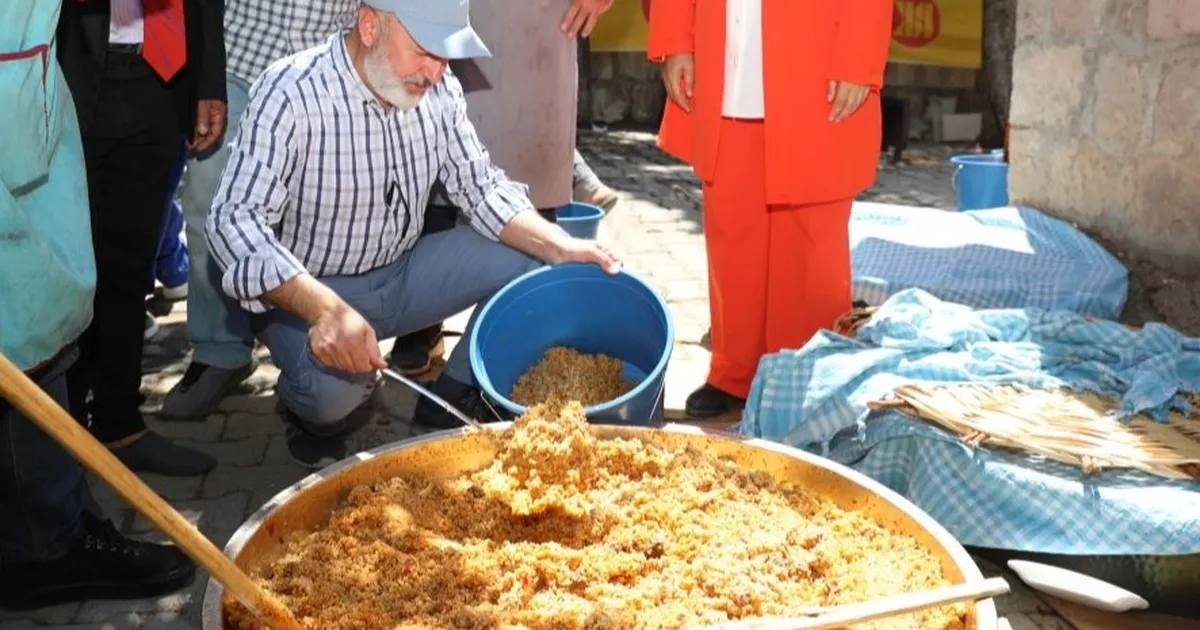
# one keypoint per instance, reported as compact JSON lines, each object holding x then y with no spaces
{"x":980,"y":180}
{"x":581,"y":220}
{"x":581,"y":307}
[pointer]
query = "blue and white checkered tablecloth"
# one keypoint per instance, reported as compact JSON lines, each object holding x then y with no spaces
{"x":817,"y":397}
{"x":996,"y":258}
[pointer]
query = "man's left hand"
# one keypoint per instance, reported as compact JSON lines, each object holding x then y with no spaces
{"x":582,"y":16}
{"x":210,"y":124}
{"x":584,"y":251}
{"x":845,"y":99}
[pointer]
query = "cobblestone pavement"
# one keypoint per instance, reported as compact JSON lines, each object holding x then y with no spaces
{"x":657,"y":229}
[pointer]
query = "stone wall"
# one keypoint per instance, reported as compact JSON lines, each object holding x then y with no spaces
{"x":1105,"y":121}
{"x":624,"y":88}
{"x":621,"y":87}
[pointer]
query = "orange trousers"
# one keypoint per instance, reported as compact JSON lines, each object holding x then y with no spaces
{"x":776,"y":274}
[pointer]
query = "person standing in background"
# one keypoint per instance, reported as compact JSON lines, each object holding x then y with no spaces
{"x":147,"y":77}
{"x":52,"y":548}
{"x":776,"y":107}
{"x":171,"y":264}
{"x":523,"y":102}
{"x":257,"y":32}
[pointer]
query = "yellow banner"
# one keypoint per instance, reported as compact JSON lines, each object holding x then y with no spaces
{"x":622,"y":28}
{"x":938,"y":32}
{"x":932,"y":32}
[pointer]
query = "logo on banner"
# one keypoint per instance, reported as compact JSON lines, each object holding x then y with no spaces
{"x":916,"y":23}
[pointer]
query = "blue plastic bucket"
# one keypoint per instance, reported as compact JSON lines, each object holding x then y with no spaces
{"x":980,"y":180}
{"x":584,"y":308}
{"x":581,"y":220}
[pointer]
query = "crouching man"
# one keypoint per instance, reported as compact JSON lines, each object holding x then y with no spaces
{"x":317,"y":221}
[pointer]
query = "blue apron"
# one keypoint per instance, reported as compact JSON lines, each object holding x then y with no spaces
{"x":47,"y":266}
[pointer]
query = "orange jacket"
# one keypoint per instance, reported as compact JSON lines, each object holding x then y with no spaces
{"x":805,"y":44}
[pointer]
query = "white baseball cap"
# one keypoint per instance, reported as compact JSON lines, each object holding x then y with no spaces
{"x":442,"y":27}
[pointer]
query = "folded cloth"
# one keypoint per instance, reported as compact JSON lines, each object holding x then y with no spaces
{"x":817,"y":398}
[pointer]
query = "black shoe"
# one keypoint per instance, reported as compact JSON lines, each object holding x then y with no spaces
{"x":708,"y":402}
{"x":467,"y":399}
{"x":103,"y":564}
{"x":202,"y":389}
{"x":413,"y":353}
{"x":318,"y":447}
{"x":313,"y":451}
{"x":153,"y":453}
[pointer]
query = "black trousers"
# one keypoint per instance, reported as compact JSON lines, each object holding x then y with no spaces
{"x":130,"y":149}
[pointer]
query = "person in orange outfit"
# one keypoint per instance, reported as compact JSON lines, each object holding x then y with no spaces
{"x":775,"y":104}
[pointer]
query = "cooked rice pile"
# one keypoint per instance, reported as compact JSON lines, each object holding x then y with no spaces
{"x":564,"y":531}
{"x":565,"y":374}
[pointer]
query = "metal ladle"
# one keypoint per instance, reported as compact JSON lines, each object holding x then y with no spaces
{"x":421,"y":389}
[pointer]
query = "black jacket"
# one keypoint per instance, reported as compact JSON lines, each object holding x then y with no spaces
{"x":83,"y":44}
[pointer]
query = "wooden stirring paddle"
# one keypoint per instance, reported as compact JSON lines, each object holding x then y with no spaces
{"x":844,"y":616}
{"x":39,"y":407}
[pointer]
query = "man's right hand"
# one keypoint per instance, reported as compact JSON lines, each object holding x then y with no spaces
{"x":343,"y":339}
{"x":678,"y":74}
{"x":338,"y":336}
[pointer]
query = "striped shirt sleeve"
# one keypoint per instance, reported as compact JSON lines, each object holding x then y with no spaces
{"x":250,"y":201}
{"x":472,"y":181}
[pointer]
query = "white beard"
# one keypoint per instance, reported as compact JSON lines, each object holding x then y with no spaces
{"x":380,"y":78}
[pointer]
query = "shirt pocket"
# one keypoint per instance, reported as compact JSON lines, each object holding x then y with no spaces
{"x":25,"y":125}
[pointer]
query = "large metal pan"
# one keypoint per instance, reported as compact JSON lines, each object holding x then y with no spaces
{"x":307,"y":504}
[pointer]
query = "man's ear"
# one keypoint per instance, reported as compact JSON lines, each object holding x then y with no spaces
{"x":369,"y":28}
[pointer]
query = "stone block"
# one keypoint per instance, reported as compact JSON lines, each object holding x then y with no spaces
{"x":1033,"y":17}
{"x":1126,"y":17}
{"x":647,"y":99}
{"x":634,"y":66}
{"x":1168,"y":193}
{"x":123,"y":614}
{"x":1177,"y":108}
{"x":243,"y":425}
{"x":1120,"y":101}
{"x":1031,"y":157}
{"x":603,"y":66}
{"x":259,"y":403}
{"x":247,"y":451}
{"x":269,"y":479}
{"x":1170,"y":19}
{"x":56,"y":616}
{"x":609,"y":102}
{"x":1098,"y":186}
{"x":1047,"y":86}
{"x":208,"y":430}
{"x":1076,"y":18}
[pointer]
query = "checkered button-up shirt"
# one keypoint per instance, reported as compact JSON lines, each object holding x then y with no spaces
{"x":323,"y":179}
{"x":257,"y":32}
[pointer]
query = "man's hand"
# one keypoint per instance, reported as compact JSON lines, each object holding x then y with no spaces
{"x":845,"y":99}
{"x":528,"y":232}
{"x":342,"y":339}
{"x":678,"y":75}
{"x":579,"y":250}
{"x":210,"y":124}
{"x":338,"y":336}
{"x":582,"y":15}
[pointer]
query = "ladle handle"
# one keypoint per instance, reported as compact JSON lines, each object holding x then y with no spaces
{"x":846,"y":615}
{"x":421,"y":389}
{"x":39,"y":407}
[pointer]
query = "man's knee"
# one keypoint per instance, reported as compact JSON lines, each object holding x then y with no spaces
{"x":323,"y":398}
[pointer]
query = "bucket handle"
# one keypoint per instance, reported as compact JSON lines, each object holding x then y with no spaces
{"x":658,"y":398}
{"x":954,"y":178}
